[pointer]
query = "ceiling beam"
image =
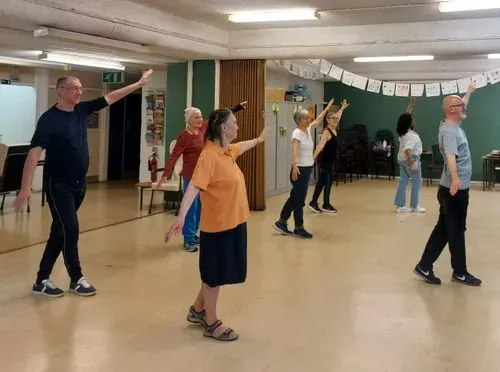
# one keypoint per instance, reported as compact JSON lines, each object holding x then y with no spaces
{"x":452,"y":30}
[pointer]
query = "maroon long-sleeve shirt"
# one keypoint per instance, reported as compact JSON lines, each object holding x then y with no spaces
{"x":189,"y":145}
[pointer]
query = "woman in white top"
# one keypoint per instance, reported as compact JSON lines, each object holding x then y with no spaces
{"x":302,"y":165}
{"x":410,"y":149}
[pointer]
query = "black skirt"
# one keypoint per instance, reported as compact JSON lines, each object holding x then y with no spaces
{"x":223,"y":256}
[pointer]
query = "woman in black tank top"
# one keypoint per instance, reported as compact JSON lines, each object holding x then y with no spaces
{"x":327,"y":153}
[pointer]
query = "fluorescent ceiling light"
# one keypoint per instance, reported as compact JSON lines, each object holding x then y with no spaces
{"x":464,"y":5}
{"x":31,"y":63}
{"x":274,"y":16}
{"x":81,"y":61}
{"x":494,"y":56}
{"x":394,"y":59}
{"x":63,"y":35}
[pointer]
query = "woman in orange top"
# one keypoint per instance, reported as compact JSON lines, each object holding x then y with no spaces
{"x":223,"y":237}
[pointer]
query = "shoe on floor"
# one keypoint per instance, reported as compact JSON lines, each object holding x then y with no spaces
{"x":82,"y":288}
{"x":427,"y":275}
{"x":403,"y":210}
{"x":327,"y":208}
{"x":302,"y":233}
{"x":282,"y":228}
{"x":194,"y":316}
{"x":419,"y":209}
{"x":467,"y":279}
{"x":314,"y":207}
{"x":191,"y":246}
{"x":47,"y":288}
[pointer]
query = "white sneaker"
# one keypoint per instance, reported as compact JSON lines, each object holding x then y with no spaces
{"x":419,"y":209}
{"x":403,"y":210}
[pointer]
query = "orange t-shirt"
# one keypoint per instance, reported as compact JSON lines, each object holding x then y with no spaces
{"x":224,"y":202}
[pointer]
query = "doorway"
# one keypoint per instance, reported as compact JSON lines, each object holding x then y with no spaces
{"x":125,"y":139}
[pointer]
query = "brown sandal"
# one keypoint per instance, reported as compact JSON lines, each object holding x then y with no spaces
{"x":227,"y":335}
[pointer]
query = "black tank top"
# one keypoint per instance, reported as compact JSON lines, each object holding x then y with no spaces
{"x":329,"y":153}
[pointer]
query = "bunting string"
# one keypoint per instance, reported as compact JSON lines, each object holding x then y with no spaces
{"x":319,"y":69}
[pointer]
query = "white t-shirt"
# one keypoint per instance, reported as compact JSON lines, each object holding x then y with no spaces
{"x":410,"y":141}
{"x":306,"y":149}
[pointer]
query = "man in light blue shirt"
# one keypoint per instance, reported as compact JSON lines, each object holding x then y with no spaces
{"x":453,"y":196}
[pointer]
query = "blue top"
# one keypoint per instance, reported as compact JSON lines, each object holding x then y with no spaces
{"x":452,"y":140}
{"x":63,"y":136}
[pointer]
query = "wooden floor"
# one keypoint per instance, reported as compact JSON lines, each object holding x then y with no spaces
{"x":105,"y":204}
{"x":346,"y":300}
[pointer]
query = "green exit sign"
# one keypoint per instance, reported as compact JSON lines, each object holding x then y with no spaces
{"x":112,"y":77}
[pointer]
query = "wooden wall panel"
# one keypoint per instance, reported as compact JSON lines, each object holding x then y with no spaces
{"x":245,"y":80}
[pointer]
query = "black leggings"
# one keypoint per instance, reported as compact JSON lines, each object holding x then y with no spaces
{"x":450,"y":229}
{"x":297,"y":199}
{"x":325,"y":181}
{"x":64,"y":198}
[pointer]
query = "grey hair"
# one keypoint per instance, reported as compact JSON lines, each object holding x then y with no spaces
{"x":299,"y":115}
{"x":63,"y":80}
{"x":189,"y":112}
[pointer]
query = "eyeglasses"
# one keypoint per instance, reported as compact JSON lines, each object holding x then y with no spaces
{"x":74,"y":89}
{"x":460,"y":105}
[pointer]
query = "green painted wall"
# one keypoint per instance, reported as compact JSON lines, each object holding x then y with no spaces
{"x":204,"y":86}
{"x":377,"y":111}
{"x":176,"y":101}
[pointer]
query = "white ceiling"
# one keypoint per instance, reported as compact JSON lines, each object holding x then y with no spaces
{"x":161,"y":31}
{"x":333,"y":13}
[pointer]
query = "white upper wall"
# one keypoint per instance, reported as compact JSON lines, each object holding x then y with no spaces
{"x":283,"y":80}
{"x":197,"y":29}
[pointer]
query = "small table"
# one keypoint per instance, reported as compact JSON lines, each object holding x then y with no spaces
{"x":489,"y":170}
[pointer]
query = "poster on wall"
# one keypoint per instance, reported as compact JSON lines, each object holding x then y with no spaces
{"x":155,"y":118}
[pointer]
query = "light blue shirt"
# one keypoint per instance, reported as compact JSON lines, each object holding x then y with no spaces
{"x":452,"y":140}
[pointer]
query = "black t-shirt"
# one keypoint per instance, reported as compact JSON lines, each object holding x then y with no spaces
{"x":63,"y":136}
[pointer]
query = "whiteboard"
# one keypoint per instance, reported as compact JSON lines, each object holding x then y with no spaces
{"x":17,"y":113}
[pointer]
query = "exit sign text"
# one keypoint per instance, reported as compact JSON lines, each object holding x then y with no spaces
{"x":112,"y":77}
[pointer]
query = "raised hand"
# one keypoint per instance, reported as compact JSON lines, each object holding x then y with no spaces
{"x":263,"y":134}
{"x":345,"y":104}
{"x":244,"y":104}
{"x":146,"y":77}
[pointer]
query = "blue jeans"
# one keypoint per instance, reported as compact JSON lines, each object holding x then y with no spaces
{"x":192,"y":221}
{"x":405,"y":174}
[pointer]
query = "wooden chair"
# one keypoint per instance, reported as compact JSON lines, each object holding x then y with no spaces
{"x":173,"y":188}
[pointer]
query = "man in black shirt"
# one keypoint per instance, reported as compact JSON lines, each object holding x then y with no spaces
{"x":62,"y":132}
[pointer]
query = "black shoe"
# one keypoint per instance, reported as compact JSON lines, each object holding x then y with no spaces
{"x":314,"y":207}
{"x":282,"y":228}
{"x":467,"y":279}
{"x":82,"y":288}
{"x":302,"y":233}
{"x":327,"y":208}
{"x":47,"y":288}
{"x":427,"y":275}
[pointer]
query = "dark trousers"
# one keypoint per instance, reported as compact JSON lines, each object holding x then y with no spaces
{"x":297,"y":198}
{"x":324,"y":183}
{"x":64,"y":198}
{"x":450,"y":229}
